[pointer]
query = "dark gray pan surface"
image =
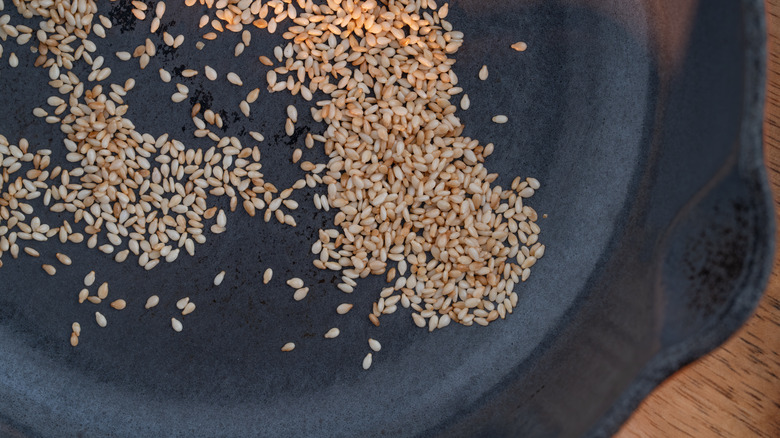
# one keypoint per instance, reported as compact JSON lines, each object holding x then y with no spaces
{"x":644,"y":126}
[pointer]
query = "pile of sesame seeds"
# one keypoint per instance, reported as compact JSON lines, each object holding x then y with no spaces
{"x":411,"y":198}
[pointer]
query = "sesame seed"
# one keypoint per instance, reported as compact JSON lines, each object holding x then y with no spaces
{"x":103,"y":291}
{"x":292,"y":113}
{"x":483,"y":73}
{"x":500,"y":119}
{"x":374,"y":344}
{"x":182,"y":303}
{"x":211,"y":74}
{"x":65,"y":260}
{"x":290,"y":346}
{"x":218,"y":279}
{"x":300,"y":293}
{"x":234,"y":79}
{"x":268,"y":275}
{"x":343,"y":308}
{"x":76,"y":327}
{"x":152,"y":301}
{"x":89,"y":280}
{"x":51,"y":270}
{"x":295,"y":283}
{"x":465,"y":102}
{"x":332,"y":333}
{"x":119,"y":304}
{"x":177,"y":325}
{"x":367,"y":361}
{"x":520,"y":46}
{"x":100,"y":319}
{"x":189,"y":308}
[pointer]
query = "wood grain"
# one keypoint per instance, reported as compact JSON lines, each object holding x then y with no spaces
{"x":735,"y":391}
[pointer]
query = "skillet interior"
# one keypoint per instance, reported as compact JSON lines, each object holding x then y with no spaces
{"x":657,"y":231}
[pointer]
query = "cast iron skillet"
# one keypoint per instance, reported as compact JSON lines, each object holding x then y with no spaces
{"x":641,"y":118}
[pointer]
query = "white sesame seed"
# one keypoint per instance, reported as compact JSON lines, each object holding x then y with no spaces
{"x":367,"y":361}
{"x":343,"y":308}
{"x":292,"y":113}
{"x":332,"y":333}
{"x":189,"y":308}
{"x":218,"y":279}
{"x":100,"y":319}
{"x":182,"y":303}
{"x":211,"y":74}
{"x":234,"y":79}
{"x":176,"y":324}
{"x":295,"y":283}
{"x":300,"y":293}
{"x":152,"y":301}
{"x":374,"y":344}
{"x":290,"y":346}
{"x":268,"y":275}
{"x":500,"y":119}
{"x":89,"y":280}
{"x":483,"y":73}
{"x":465,"y":102}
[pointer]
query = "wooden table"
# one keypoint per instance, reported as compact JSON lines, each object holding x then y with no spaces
{"x":735,"y":391}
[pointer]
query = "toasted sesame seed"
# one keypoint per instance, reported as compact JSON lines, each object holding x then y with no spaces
{"x":483,"y":73}
{"x":74,"y":339}
{"x":290,"y":346}
{"x":176,"y":324}
{"x":83,"y":295}
{"x":103,"y":291}
{"x":119,"y":304}
{"x":520,"y":46}
{"x":332,"y":333}
{"x":152,"y":301}
{"x":189,"y":308}
{"x":367,"y":361}
{"x":100,"y":319}
{"x":218,"y":279}
{"x":76,"y":327}
{"x":65,"y":260}
{"x":31,"y":252}
{"x":268,"y":275}
{"x":51,"y":270}
{"x":374,"y":344}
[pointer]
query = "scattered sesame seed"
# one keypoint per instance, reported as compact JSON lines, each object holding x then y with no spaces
{"x":176,"y":324}
{"x":332,"y":333}
{"x":483,"y":73}
{"x":152,"y":301}
{"x":100,"y":319}
{"x":290,"y":346}
{"x":367,"y":361}
{"x":520,"y":46}
{"x":218,"y":279}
